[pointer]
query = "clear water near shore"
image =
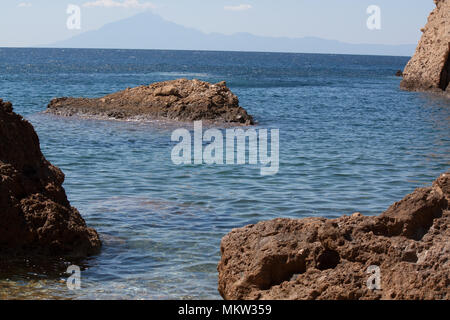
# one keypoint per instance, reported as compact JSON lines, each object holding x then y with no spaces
{"x":350,"y":140}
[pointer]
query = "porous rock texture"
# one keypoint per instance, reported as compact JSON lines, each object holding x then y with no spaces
{"x":180,"y":100}
{"x":429,"y":68}
{"x":318,"y":258}
{"x":35,"y":215}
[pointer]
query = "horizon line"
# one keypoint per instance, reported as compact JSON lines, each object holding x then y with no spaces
{"x":204,"y":50}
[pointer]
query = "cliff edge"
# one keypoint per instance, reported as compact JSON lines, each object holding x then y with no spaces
{"x":429,"y":68}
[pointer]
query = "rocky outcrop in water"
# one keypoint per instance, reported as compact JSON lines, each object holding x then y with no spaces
{"x":318,"y":258}
{"x":181,"y":100}
{"x":35,"y":215}
{"x":429,"y":68}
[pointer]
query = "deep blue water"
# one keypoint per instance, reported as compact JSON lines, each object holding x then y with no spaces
{"x":350,"y":140}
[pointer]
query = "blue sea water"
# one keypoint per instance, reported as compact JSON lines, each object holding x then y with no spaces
{"x":350,"y":141}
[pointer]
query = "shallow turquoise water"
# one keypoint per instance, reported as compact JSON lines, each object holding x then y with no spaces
{"x":350,"y":140}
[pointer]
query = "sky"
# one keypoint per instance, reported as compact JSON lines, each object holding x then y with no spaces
{"x":27,"y":23}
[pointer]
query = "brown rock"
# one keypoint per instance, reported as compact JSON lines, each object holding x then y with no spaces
{"x":181,"y":100}
{"x":35,"y":215}
{"x":318,"y":258}
{"x":429,"y":68}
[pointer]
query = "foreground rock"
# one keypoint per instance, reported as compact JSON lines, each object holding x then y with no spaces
{"x":181,"y":100}
{"x":317,"y":258}
{"x":35,"y":215}
{"x":429,"y":68}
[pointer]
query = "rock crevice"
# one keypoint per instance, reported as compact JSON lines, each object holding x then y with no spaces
{"x":445,"y":75}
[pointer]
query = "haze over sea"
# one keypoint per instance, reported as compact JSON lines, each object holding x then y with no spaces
{"x":350,"y":141}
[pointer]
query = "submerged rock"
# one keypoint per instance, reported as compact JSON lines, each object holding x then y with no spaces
{"x":429,"y":68}
{"x":35,"y":215}
{"x":318,"y":258}
{"x":181,"y":100}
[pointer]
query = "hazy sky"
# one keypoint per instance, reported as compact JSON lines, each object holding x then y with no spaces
{"x":39,"y":22}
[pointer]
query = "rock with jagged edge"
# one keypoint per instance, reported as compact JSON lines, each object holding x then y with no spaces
{"x":35,"y":215}
{"x":180,"y":100}
{"x":429,"y":68}
{"x":318,"y":258}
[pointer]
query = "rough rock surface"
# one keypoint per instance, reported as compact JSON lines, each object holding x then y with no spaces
{"x":35,"y":215}
{"x":429,"y":68}
{"x":181,"y":100}
{"x":317,"y":258}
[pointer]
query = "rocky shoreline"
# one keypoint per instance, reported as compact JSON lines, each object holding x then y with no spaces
{"x":179,"y":100}
{"x":429,"y":68}
{"x":281,"y":259}
{"x":35,"y":216}
{"x":318,"y":258}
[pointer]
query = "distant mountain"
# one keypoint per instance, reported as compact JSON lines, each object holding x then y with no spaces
{"x":149,"y":31}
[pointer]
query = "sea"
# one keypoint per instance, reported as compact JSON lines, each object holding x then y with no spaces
{"x":349,"y":141}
